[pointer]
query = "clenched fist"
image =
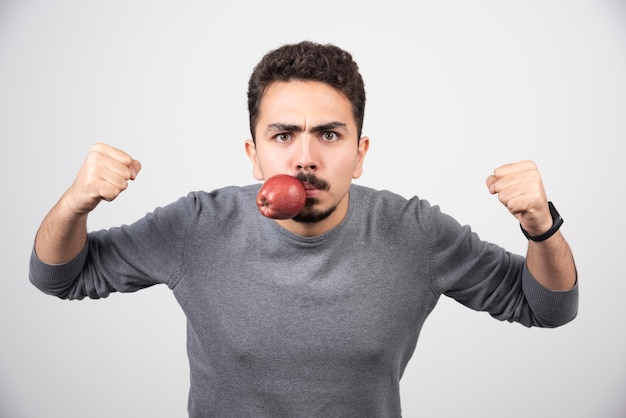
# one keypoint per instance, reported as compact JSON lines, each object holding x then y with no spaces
{"x":103,"y":176}
{"x":520,"y":189}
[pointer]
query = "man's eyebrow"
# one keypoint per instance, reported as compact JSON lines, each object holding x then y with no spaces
{"x":283,"y":127}
{"x":329,"y":127}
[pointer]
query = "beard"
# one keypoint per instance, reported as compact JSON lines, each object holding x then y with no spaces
{"x":310,"y":214}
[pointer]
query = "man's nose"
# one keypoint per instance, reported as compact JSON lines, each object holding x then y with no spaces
{"x":306,"y":157}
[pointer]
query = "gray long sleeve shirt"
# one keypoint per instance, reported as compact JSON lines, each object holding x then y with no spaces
{"x":281,"y":325}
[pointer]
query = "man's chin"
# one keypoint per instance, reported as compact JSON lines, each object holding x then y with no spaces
{"x":310,"y":214}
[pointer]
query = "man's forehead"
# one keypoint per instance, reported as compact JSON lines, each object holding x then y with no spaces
{"x":295,"y":97}
{"x":304,"y":86}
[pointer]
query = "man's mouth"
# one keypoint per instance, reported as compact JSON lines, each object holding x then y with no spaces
{"x":311,"y":192}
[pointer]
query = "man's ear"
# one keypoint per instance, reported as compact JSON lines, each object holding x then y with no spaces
{"x":251,"y":153}
{"x":364,"y":145}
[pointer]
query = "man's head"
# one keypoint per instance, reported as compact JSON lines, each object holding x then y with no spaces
{"x":308,"y":61}
{"x":306,"y":114}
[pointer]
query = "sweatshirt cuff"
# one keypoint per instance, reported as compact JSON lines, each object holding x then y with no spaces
{"x":552,"y":307}
{"x":49,"y":278}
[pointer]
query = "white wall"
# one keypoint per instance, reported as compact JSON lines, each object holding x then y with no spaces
{"x":455,"y":89}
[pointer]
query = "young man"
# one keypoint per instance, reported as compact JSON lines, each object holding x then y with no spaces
{"x":316,"y":315}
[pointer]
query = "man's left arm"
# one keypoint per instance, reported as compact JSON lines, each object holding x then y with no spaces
{"x":519,"y":187}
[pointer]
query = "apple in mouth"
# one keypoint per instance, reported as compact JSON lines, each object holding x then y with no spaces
{"x":281,"y":197}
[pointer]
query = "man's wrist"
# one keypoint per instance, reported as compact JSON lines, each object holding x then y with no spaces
{"x":557,"y":221}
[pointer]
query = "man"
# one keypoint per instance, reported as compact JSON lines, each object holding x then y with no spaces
{"x":316,"y":315}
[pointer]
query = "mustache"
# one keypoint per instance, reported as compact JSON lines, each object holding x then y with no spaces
{"x":313,"y":180}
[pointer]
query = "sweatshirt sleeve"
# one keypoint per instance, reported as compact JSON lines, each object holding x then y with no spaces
{"x":58,"y":279}
{"x":486,"y":277}
{"x":122,"y":259}
{"x":545,"y":307}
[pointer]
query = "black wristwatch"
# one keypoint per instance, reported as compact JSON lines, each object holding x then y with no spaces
{"x":557,"y":221}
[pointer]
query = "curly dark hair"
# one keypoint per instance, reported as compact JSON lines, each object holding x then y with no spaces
{"x":308,"y":61}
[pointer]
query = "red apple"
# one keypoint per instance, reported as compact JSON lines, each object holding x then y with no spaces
{"x":281,"y":197}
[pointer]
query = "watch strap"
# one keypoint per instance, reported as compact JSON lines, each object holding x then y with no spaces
{"x":557,"y":221}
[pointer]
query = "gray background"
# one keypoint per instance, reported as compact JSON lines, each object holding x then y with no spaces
{"x":455,"y":89}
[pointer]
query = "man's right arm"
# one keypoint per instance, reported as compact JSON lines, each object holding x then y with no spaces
{"x":103,"y":176}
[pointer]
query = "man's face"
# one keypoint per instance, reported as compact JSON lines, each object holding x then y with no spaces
{"x":306,"y":129}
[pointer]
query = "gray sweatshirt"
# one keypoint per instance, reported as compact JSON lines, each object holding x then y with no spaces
{"x":280,"y":325}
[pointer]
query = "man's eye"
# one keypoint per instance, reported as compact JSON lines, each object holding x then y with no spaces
{"x":330,"y":136}
{"x":284,"y":137}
